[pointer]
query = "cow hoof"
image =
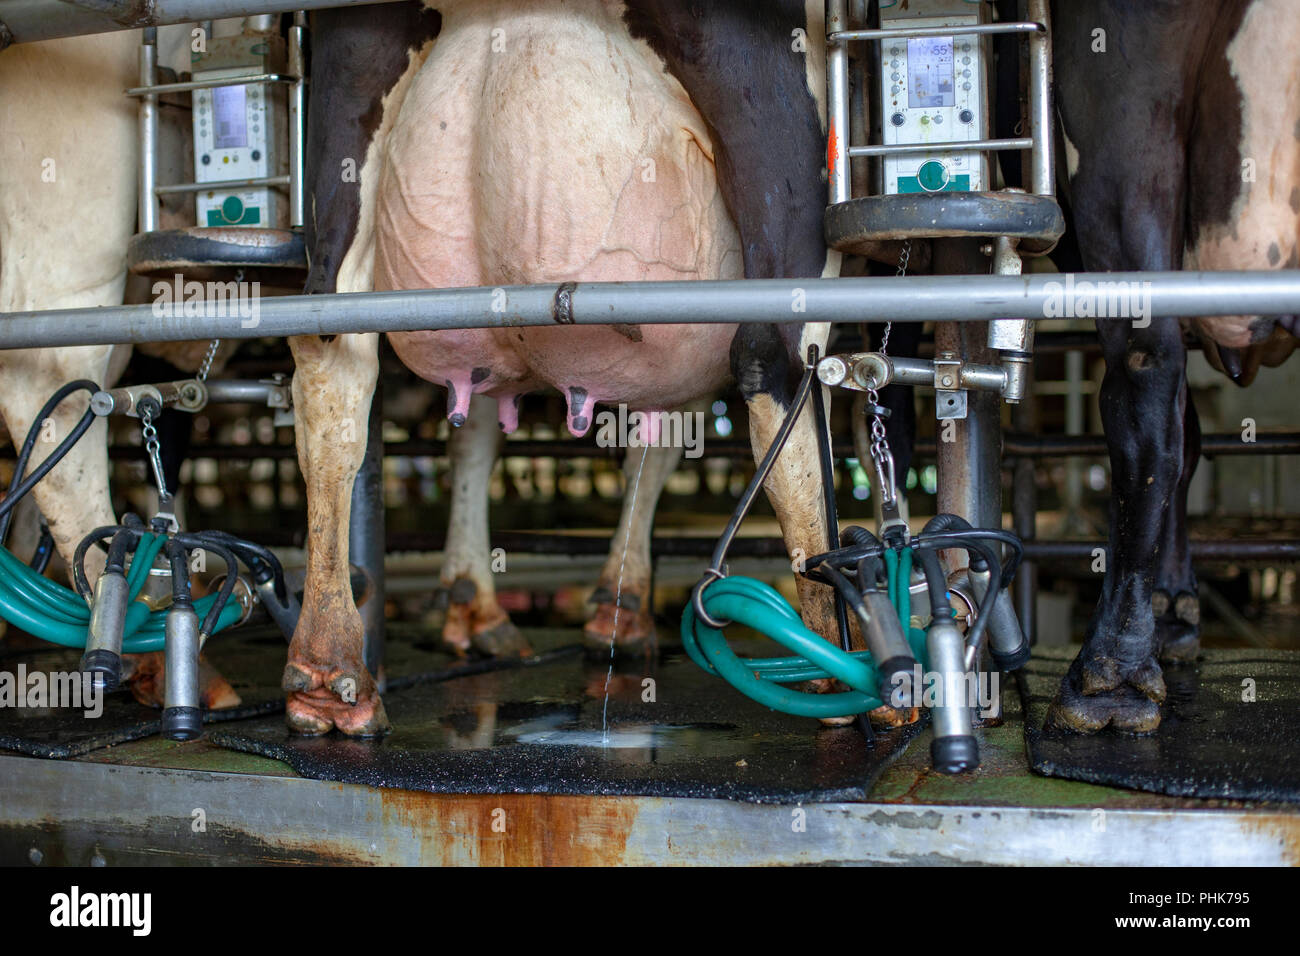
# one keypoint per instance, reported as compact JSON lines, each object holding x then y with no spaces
{"x":885,"y":717}
{"x":630,"y":632}
{"x":321,"y":701}
{"x":1178,"y":627}
{"x":488,"y":632}
{"x":501,"y":640}
{"x":1105,"y":692}
{"x":145,"y":674}
{"x":1179,"y":642}
{"x":828,"y":685}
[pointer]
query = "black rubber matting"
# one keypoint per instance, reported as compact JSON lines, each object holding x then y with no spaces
{"x":250,"y":658}
{"x":549,"y":728}
{"x":1211,"y":742}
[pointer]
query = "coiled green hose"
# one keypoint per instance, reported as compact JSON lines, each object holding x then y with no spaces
{"x":754,"y":604}
{"x":57,"y":614}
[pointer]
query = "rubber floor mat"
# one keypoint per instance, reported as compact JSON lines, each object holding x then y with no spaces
{"x":1229,"y":728}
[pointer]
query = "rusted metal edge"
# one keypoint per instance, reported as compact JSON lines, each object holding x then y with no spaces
{"x":61,"y":812}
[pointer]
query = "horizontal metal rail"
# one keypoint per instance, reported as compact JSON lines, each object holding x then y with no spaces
{"x":253,"y":79}
{"x":993,"y":145}
{"x":1013,"y":446}
{"x":908,"y":299}
{"x":222,"y":184}
{"x":916,"y":33}
{"x":25,"y":21}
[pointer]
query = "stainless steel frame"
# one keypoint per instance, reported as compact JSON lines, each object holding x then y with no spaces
{"x":150,"y":89}
{"x":24,"y":21}
{"x":909,"y":299}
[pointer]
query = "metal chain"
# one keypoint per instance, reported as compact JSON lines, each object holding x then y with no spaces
{"x":154,"y":449}
{"x":207,"y":360}
{"x":879,"y":444}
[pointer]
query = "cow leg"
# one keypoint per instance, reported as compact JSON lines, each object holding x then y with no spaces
{"x":74,"y":496}
{"x":622,"y":621}
{"x":1116,"y":678}
{"x":474,"y":618}
{"x":326,"y":680}
{"x":1174,"y":602}
{"x":761,"y":364}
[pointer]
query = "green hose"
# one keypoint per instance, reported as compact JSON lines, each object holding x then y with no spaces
{"x":55,"y":613}
{"x":755,"y":604}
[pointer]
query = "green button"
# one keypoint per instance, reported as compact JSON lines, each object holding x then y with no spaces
{"x":232,"y":209}
{"x":933,"y":175}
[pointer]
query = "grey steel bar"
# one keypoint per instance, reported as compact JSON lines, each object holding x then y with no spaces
{"x":874,"y":298}
{"x":837,"y":83}
{"x":993,"y":145}
{"x":222,"y":184}
{"x":29,"y":20}
{"x":1203,"y":549}
{"x":297,"y":126}
{"x":147,"y":112}
{"x":253,"y":79}
{"x":1040,"y":103}
{"x":236,"y":391}
{"x":840,"y":37}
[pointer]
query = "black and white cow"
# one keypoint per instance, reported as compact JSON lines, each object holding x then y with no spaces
{"x":502,"y":142}
{"x":1183,"y":128}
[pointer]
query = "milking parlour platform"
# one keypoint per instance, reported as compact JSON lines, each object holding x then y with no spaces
{"x":566,"y":759}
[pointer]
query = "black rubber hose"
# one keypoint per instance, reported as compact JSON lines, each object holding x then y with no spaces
{"x":871,"y":568}
{"x":79,"y":557}
{"x":950,"y":522}
{"x":18,"y":486}
{"x":936,"y":583}
{"x":44,"y":551}
{"x":201,"y":541}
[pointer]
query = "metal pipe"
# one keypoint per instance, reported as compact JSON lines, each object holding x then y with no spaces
{"x":1204,"y":549}
{"x":297,"y":126}
{"x":908,"y":33}
{"x":837,"y":83}
{"x":31,"y":20}
{"x":1042,"y":156}
{"x":1017,"y":447}
{"x":950,"y":298}
{"x":255,"y":79}
{"x":993,"y":145}
{"x":147,"y":113}
{"x":222,"y":184}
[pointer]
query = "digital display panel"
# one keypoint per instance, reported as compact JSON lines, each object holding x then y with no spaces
{"x":929,"y":72}
{"x":230,"y":126}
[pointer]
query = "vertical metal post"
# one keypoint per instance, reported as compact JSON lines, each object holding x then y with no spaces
{"x":1040,"y":101}
{"x":148,"y":125}
{"x":837,"y":104}
{"x":970,"y":469}
{"x":297,"y":124}
{"x":1024,"y":511}
{"x":366,"y":534}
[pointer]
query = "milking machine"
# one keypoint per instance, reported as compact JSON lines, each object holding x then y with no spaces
{"x":922,"y":174}
{"x":131,"y":609}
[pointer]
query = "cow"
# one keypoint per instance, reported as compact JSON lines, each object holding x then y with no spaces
{"x":1182,"y":122}
{"x":501,"y":142}
{"x":65,"y":217}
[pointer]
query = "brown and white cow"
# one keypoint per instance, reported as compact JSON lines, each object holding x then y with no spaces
{"x":501,"y":142}
{"x":1185,"y":142}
